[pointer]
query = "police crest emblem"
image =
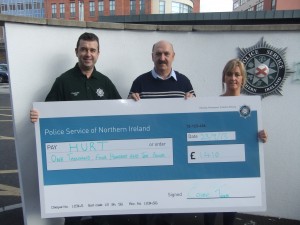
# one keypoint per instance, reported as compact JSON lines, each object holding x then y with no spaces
{"x":266,"y":69}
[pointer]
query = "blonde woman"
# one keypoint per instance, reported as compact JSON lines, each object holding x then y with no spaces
{"x":233,"y":79}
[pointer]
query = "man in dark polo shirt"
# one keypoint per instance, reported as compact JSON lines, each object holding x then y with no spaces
{"x":74,"y":85}
{"x":83,"y":82}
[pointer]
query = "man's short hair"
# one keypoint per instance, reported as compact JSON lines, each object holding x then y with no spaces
{"x":88,"y":37}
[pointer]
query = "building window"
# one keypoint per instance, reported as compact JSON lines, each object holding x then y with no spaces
{"x":72,"y":10}
{"x":53,"y":10}
{"x":251,"y":9}
{"x":101,"y":7}
{"x":3,"y":7}
{"x":243,"y":2}
{"x":12,"y":7}
{"x":36,"y":5}
{"x":180,"y":8}
{"x":62,"y":10}
{"x":132,"y":7}
{"x":236,"y":5}
{"x":112,"y":7}
{"x":20,"y":6}
{"x":28,"y":6}
{"x":273,"y":6}
{"x":142,"y":6}
{"x":92,"y":8}
{"x":260,"y":6}
{"x":81,"y":11}
{"x":162,"y":7}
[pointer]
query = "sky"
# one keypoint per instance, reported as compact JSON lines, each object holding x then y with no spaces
{"x":215,"y":5}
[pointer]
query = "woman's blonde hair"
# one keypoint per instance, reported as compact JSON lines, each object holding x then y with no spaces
{"x":230,"y":65}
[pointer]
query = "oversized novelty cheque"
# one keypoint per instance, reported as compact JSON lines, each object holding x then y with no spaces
{"x":151,"y":156}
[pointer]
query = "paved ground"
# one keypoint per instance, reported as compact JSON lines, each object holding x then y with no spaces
{"x":9,"y":180}
{"x":10,"y":200}
{"x":15,"y":217}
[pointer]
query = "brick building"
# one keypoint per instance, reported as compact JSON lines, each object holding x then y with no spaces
{"x":265,"y":5}
{"x":90,"y":10}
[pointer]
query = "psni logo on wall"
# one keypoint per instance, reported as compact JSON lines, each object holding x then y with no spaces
{"x":266,"y":69}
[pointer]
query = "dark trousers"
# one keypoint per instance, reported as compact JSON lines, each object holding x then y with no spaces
{"x":155,"y":219}
{"x":96,"y":220}
{"x":73,"y":220}
{"x":228,"y":218}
